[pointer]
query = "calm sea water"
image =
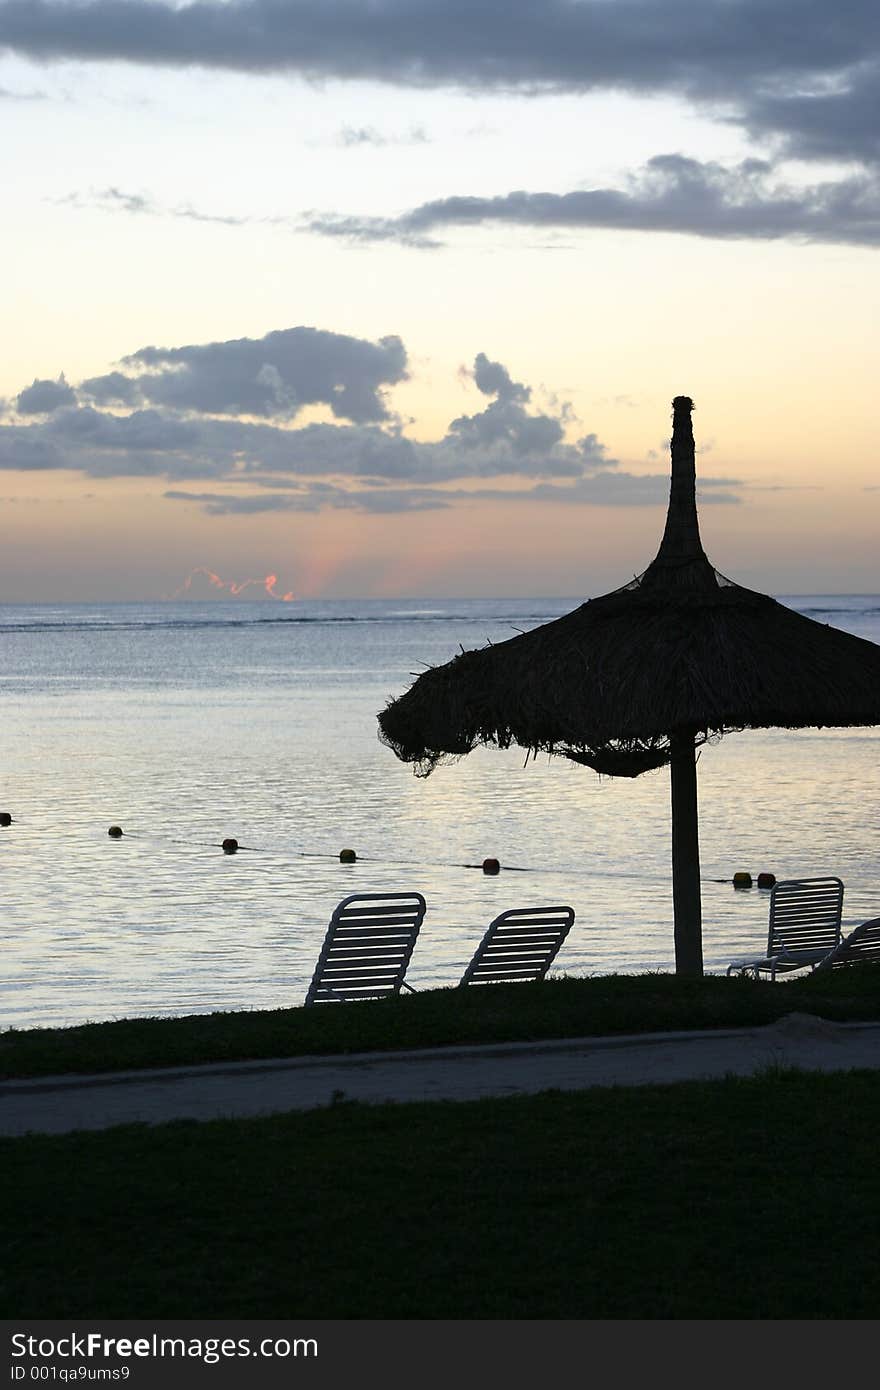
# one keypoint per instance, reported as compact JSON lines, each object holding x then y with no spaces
{"x":186,"y":723}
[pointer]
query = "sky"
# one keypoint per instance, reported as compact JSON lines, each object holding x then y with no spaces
{"x":329,"y":298}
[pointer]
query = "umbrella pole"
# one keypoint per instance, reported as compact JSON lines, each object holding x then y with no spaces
{"x":685,"y":856}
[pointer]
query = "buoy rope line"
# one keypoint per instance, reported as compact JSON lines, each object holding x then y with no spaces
{"x":490,"y":866}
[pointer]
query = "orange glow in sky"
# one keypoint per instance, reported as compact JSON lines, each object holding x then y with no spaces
{"x":234,"y":586}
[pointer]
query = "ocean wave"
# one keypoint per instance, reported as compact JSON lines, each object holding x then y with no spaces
{"x":98,"y":625}
{"x":848,"y":612}
{"x":470,"y":613}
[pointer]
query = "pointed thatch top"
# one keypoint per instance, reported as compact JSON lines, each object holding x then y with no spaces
{"x":681,"y":561}
{"x":680,"y":648}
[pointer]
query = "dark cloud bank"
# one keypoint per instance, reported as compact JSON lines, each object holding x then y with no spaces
{"x":224,"y":413}
{"x":802,"y":70}
{"x":672,"y":194}
{"x":272,"y":377}
{"x":708,"y":47}
{"x":749,"y":201}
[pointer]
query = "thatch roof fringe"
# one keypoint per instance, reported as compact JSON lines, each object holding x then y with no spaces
{"x":623,"y":671}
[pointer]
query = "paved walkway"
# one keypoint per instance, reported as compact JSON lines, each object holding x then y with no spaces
{"x":60,"y":1104}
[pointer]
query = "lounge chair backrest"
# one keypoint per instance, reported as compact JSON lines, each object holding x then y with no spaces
{"x":805,"y":915}
{"x":862,"y":945}
{"x":521,"y":944}
{"x":367,"y":948}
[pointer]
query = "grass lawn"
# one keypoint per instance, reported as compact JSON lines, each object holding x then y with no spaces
{"x":737,"y":1199}
{"x":560,"y":1008}
{"x":745,"y":1198}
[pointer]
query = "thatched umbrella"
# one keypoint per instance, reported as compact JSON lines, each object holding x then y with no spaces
{"x":642,"y":676}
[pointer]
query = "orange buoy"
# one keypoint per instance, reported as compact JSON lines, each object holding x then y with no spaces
{"x":5,"y":818}
{"x":230,"y":846}
{"x":491,"y":866}
{"x":115,"y":832}
{"x":766,"y":880}
{"x":742,"y":880}
{"x":347,"y":856}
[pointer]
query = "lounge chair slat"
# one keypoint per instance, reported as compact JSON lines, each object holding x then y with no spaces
{"x":341,"y":964}
{"x":376,"y":923}
{"x":805,"y":915}
{"x":361,"y":977}
{"x":502,"y":953}
{"x":347,"y":966}
{"x":525,"y":938}
{"x":366,"y":934}
{"x":520,"y":916}
{"x":787,"y":932}
{"x":372,"y":902}
{"x":361,"y":919}
{"x":806,"y":912}
{"x":535,"y":968}
{"x":806,"y":909}
{"x":541,"y":933}
{"x":500,"y":977}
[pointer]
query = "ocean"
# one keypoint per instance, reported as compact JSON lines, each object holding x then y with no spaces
{"x":187,"y":723}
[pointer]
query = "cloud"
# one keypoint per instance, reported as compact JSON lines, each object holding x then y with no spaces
{"x":157,"y":442}
{"x":144,"y":431}
{"x":840,"y":121}
{"x":558,"y":45}
{"x":801,"y":70}
{"x":617,"y":489}
{"x":493,"y":379}
{"x":30,"y":449}
{"x":7,"y":95}
{"x":356,"y":137}
{"x":143,"y":205}
{"x":42,"y":397}
{"x":670,"y":194}
{"x":201,"y":423}
{"x":506,"y":423}
{"x":316,"y":497}
{"x":368,"y":229}
{"x":114,"y":388}
{"x":273,"y":377}
{"x":750,"y":200}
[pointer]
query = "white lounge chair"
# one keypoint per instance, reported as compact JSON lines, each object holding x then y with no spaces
{"x":367,"y":948}
{"x":861,"y":946}
{"x":804,"y":926}
{"x":521,"y":944}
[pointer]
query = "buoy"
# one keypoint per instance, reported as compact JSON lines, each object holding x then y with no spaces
{"x":5,"y":818}
{"x":347,"y":856}
{"x":115,"y":832}
{"x":766,"y":880}
{"x":742,"y":880}
{"x":230,"y":846}
{"x":491,"y":866}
